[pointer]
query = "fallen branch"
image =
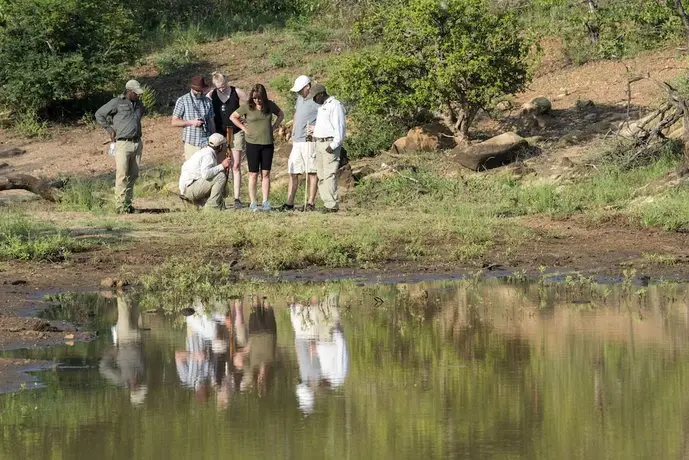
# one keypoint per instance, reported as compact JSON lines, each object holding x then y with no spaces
{"x":33,"y":184}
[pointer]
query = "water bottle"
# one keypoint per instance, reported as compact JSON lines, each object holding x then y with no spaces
{"x":111,"y":149}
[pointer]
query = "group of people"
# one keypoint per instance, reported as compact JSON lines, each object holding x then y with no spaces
{"x":216,"y":117}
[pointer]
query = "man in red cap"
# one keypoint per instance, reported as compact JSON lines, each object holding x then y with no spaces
{"x":194,"y":113}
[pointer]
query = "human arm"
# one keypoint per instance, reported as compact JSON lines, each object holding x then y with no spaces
{"x":337,"y":119}
{"x":209,"y":169}
{"x":236,"y":119}
{"x":277,"y":111}
{"x":178,"y":116}
{"x":104,"y":117}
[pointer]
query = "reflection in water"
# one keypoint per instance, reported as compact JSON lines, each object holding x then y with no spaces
{"x":320,"y":347}
{"x":124,"y":364}
{"x":470,"y":370}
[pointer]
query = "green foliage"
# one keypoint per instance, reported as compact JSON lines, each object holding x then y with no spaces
{"x":55,"y":50}
{"x":23,"y":239}
{"x":27,"y":124}
{"x":370,"y":135}
{"x":85,"y":195}
{"x":423,"y":56}
{"x":149,"y":99}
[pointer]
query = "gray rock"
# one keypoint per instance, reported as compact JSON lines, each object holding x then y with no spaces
{"x":494,"y":152}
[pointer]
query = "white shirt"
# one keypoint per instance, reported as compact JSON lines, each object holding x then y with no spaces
{"x":330,"y":122}
{"x":201,"y":165}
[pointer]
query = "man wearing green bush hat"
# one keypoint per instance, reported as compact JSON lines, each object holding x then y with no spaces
{"x":121,"y":118}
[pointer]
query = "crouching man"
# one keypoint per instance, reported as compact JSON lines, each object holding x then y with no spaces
{"x":203,"y":179}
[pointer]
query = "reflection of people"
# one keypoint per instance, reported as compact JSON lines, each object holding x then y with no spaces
{"x":320,"y":346}
{"x":257,"y":358}
{"x":124,"y":365}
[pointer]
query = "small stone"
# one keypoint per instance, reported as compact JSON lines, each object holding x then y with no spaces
{"x":69,"y":337}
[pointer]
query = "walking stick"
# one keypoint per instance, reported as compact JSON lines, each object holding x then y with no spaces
{"x":228,"y":136}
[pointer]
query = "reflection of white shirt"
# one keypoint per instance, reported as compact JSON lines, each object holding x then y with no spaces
{"x":330,"y":122}
{"x":333,"y":358}
{"x":203,"y":164}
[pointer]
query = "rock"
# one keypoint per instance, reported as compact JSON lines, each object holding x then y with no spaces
{"x":69,"y":337}
{"x":430,"y":137}
{"x":9,"y":152}
{"x":494,"y":152}
{"x":503,"y":106}
{"x":583,"y":104}
{"x":537,"y":106}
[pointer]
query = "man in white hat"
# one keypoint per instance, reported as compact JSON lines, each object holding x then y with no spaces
{"x":302,"y":158}
{"x":202,"y":179}
{"x":121,"y":118}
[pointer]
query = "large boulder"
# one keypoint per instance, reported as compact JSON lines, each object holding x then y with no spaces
{"x":537,"y":106}
{"x":494,"y":152}
{"x":425,"y":138}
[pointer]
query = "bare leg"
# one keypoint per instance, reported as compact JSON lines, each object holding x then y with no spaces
{"x":292,"y":188}
{"x":253,"y":177}
{"x":265,"y":184}
{"x":313,"y":188}
{"x":236,"y":172}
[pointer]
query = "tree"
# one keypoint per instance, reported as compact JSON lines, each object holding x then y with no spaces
{"x":451,"y":57}
{"x":55,"y":50}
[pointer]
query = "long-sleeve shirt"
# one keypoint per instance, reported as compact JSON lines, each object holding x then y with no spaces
{"x":202,"y":165}
{"x":121,"y":116}
{"x":330,"y":122}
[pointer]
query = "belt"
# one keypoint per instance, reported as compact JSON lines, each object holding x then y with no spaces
{"x":324,"y":139}
{"x":129,"y":139}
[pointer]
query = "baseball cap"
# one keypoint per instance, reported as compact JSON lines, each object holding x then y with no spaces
{"x":216,"y":140}
{"x":299,"y":83}
{"x":315,"y":89}
{"x":134,"y":86}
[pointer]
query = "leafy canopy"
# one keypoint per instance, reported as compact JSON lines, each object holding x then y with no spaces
{"x":55,"y":50}
{"x":455,"y":56}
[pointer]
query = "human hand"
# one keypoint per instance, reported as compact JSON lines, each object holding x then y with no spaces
{"x":226,"y":163}
{"x":329,"y":149}
{"x":195,"y":123}
{"x":309,"y":130}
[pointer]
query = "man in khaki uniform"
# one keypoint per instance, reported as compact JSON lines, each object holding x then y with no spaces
{"x":329,"y":134}
{"x":121,"y":118}
{"x":202,"y":178}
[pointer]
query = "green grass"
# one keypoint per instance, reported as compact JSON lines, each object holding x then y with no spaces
{"x":81,"y":194}
{"x":24,"y":239}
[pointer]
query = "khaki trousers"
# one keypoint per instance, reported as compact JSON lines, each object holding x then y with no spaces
{"x":327,"y":165}
{"x":212,"y":192}
{"x":127,"y":155}
{"x":189,"y":150}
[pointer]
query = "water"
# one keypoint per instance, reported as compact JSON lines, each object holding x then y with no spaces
{"x":469,"y":370}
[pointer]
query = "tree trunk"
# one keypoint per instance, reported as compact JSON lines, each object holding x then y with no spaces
{"x":592,"y":23}
{"x":30,"y":183}
{"x":683,"y":14}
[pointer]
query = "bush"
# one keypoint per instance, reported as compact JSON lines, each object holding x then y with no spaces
{"x":455,"y":56}
{"x":54,"y":50}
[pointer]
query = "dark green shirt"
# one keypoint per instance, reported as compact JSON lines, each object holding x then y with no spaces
{"x":123,"y":116}
{"x":259,"y":124}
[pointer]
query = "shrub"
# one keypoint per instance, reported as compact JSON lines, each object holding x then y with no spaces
{"x":53,"y":50}
{"x":455,"y":56}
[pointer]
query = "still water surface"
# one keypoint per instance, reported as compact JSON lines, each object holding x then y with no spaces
{"x":469,"y":370}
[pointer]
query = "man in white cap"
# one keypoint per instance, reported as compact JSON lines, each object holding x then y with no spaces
{"x":121,"y":118}
{"x":302,"y":158}
{"x":203,"y":179}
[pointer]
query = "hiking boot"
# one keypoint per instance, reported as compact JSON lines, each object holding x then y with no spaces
{"x":238,"y":204}
{"x":253,"y":206}
{"x":266,"y":206}
{"x":309,"y":207}
{"x":286,"y":207}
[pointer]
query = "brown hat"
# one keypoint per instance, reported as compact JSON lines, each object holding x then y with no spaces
{"x":198,"y":83}
{"x":315,"y":89}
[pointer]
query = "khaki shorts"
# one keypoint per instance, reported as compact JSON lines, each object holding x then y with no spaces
{"x":238,"y":142}
{"x":302,"y":152}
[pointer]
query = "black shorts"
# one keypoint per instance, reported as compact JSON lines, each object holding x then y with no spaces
{"x":259,"y":157}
